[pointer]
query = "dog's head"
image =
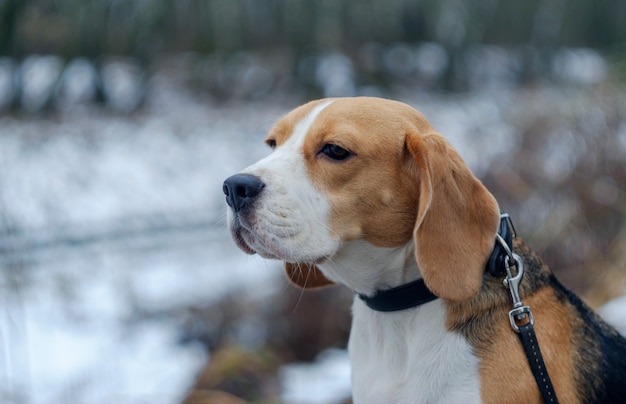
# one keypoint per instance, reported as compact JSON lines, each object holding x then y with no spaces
{"x":369,"y":170}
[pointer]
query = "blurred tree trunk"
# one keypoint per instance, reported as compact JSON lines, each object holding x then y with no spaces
{"x":9,"y":15}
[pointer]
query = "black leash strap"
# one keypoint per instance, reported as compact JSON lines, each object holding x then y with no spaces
{"x":521,"y":313}
{"x":533,"y":353}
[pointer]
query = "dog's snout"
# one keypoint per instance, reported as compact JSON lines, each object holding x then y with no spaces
{"x":241,"y":190}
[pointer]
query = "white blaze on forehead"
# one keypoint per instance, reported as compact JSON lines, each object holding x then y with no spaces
{"x":291,"y":149}
{"x":302,"y":128}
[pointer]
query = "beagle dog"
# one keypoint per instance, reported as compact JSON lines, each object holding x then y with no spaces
{"x":364,"y":192}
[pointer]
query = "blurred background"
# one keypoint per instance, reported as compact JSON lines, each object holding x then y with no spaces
{"x":119,"y":120}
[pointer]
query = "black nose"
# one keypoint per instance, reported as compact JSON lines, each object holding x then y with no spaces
{"x":241,"y":190}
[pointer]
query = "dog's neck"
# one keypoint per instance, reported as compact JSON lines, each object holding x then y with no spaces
{"x":378,"y":341}
{"x":365,"y":268}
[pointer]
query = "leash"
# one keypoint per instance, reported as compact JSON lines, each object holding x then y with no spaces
{"x":500,"y":263}
{"x":521,"y":313}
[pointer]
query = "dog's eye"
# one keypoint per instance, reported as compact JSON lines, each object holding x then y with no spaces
{"x":335,"y":152}
{"x":271,"y":143}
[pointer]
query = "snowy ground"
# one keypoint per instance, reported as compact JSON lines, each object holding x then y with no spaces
{"x":103,"y":216}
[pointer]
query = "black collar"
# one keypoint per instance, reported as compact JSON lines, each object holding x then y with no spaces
{"x":416,"y":293}
{"x":400,"y":298}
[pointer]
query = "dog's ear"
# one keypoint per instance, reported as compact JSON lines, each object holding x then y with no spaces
{"x":457,"y":219}
{"x":306,"y":276}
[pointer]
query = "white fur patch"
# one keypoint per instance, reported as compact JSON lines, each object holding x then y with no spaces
{"x":409,"y":357}
{"x":289,"y":221}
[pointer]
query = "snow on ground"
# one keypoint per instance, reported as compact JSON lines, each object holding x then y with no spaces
{"x":82,"y":343}
{"x":614,"y":312}
{"x":141,"y":198}
{"x":102,"y":215}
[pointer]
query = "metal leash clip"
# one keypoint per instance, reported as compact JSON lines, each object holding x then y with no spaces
{"x":519,"y":311}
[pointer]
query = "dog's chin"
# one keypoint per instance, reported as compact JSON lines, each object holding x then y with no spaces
{"x":251,"y":244}
{"x":237,"y":234}
{"x":243,"y":246}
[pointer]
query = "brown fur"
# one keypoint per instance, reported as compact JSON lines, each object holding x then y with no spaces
{"x":560,"y":332}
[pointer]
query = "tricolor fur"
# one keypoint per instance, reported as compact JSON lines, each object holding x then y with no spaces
{"x":365,"y":193}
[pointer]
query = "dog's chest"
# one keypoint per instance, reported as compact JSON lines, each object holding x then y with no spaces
{"x":409,"y":357}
